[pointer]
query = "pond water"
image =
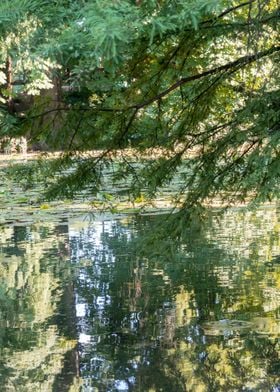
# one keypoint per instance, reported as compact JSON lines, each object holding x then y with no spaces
{"x":114,"y":305}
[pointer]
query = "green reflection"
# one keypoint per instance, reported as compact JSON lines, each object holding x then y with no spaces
{"x":35,"y":274}
{"x":153,"y":314}
{"x":201,"y":314}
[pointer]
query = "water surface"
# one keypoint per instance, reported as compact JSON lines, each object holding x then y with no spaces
{"x":114,"y":305}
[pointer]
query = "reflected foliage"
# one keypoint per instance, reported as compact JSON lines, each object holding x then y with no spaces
{"x":34,"y":262}
{"x":151,"y":314}
{"x":201,"y":315}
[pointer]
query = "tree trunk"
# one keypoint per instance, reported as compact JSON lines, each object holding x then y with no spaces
{"x":9,"y":77}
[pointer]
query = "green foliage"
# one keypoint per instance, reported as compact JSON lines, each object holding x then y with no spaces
{"x":195,"y":81}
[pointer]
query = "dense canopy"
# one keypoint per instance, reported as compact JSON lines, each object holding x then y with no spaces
{"x":191,"y":85}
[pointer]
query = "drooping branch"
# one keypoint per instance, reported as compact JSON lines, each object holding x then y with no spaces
{"x":234,"y":65}
{"x":231,"y":66}
{"x":232,"y":9}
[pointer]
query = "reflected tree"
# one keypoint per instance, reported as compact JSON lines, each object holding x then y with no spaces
{"x":182,"y":316}
{"x":34,"y":261}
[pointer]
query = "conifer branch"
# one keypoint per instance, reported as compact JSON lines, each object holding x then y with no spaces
{"x":237,"y":64}
{"x":232,"y":9}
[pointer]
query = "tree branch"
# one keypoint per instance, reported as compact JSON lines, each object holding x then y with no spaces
{"x":69,"y":108}
{"x":242,"y":61}
{"x":233,"y":66}
{"x":232,"y":9}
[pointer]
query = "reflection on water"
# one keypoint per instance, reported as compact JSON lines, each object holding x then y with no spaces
{"x":85,"y":307}
{"x":37,"y":330}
